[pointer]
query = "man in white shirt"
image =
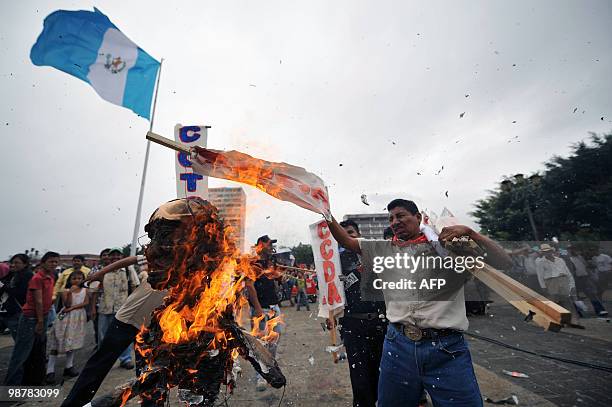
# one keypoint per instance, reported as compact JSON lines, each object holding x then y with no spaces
{"x":555,"y":277}
{"x":603,"y":267}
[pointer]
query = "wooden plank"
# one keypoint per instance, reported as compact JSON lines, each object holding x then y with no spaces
{"x":332,"y":331}
{"x":539,"y":317}
{"x":551,"y":308}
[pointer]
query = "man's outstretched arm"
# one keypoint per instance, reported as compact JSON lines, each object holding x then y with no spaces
{"x":342,"y":237}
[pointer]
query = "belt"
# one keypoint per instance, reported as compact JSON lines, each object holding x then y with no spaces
{"x":415,"y":333}
{"x":370,"y":316}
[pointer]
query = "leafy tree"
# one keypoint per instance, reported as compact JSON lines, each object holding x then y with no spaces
{"x":571,"y":200}
{"x":303,"y":253}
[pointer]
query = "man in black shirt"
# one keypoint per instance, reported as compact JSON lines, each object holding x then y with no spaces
{"x":263,"y":296}
{"x":363,"y":328}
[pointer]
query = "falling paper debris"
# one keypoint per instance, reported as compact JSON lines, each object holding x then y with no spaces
{"x":513,"y":328}
{"x":446,"y":193}
{"x":311,"y":360}
{"x":575,"y":109}
{"x":513,"y":121}
{"x":340,"y":165}
{"x":332,"y":349}
{"x":512,"y":401}
{"x":461,"y":115}
{"x":467,"y":95}
{"x":267,"y":217}
{"x":515,"y":374}
{"x":364,"y":199}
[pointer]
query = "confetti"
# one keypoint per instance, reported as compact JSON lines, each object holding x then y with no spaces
{"x":461,"y":115}
{"x":515,"y":374}
{"x":364,"y":199}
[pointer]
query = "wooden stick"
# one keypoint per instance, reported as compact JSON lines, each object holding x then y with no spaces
{"x":332,"y":323}
{"x":294,"y":268}
{"x":550,"y":308}
{"x":488,"y":276}
{"x":156,"y":138}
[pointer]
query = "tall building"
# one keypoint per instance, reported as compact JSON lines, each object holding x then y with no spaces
{"x":371,"y":225}
{"x":231,"y":203}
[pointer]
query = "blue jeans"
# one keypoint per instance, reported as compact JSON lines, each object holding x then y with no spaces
{"x":440,"y":365}
{"x":272,"y":345}
{"x":24,"y":346}
{"x":302,"y":299}
{"x":12,"y":323}
{"x":104,"y":321}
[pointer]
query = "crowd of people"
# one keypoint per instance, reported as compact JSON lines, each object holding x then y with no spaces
{"x":46,"y":308}
{"x":396,"y":350}
{"x":567,"y":274}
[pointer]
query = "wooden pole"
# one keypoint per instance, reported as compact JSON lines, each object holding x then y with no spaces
{"x":162,"y":141}
{"x":332,"y":323}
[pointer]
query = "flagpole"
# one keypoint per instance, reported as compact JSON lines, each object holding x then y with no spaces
{"x":144,"y":170}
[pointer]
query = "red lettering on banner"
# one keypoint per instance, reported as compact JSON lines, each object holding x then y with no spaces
{"x":323,"y":230}
{"x":327,"y":254}
{"x":333,"y":294}
{"x":329,"y":271}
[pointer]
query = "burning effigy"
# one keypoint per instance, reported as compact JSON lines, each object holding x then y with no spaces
{"x":193,"y":339}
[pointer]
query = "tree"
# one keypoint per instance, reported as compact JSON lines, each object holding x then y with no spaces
{"x":303,"y":253}
{"x":571,"y":200}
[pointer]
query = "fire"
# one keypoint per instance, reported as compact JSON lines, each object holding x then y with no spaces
{"x":200,"y":299}
{"x":281,"y":180}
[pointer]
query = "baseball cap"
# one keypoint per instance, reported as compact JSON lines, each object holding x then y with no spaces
{"x":265,"y":239}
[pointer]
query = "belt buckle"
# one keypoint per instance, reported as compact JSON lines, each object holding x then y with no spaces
{"x":413,"y":332}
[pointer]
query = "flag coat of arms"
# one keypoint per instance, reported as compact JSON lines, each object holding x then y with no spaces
{"x":89,"y":46}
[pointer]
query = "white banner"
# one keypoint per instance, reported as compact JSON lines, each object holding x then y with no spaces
{"x":327,"y":263}
{"x":189,"y":183}
{"x":281,"y":180}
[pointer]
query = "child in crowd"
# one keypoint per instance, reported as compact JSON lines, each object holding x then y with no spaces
{"x":68,"y":332}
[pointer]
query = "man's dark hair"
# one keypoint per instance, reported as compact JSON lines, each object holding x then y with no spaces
{"x":79,"y":257}
{"x":388,"y":233}
{"x":410,"y":206}
{"x":48,"y":255}
{"x":350,"y":222}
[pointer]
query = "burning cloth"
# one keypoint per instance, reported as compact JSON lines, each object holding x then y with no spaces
{"x":281,"y":180}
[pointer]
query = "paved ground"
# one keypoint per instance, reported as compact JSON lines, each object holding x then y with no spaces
{"x":561,"y":383}
{"x":323,"y":383}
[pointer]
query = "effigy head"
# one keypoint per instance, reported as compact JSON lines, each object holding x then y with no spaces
{"x":186,"y":235}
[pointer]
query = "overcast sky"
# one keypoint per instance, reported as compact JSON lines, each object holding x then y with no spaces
{"x":375,"y":86}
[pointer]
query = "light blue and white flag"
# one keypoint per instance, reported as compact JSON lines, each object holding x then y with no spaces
{"x":87,"y":45}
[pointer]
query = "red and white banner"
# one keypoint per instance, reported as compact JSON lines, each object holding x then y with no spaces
{"x":327,"y":263}
{"x":281,"y":180}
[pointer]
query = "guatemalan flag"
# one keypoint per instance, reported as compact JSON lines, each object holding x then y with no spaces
{"x":88,"y":45}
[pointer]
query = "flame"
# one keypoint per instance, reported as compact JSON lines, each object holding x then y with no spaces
{"x":280,"y":180}
{"x":200,"y":299}
{"x":125,"y":397}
